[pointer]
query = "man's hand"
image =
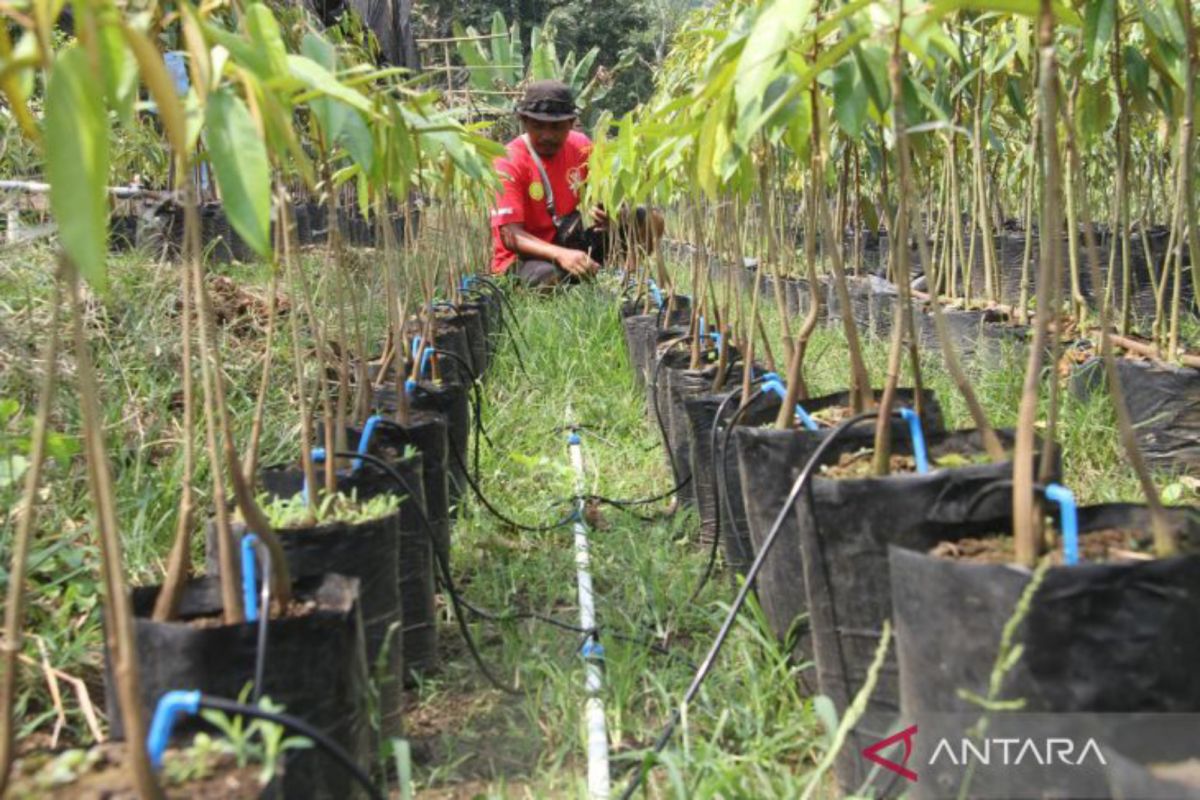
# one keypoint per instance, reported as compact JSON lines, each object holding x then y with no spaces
{"x":578,"y":263}
{"x":600,"y":218}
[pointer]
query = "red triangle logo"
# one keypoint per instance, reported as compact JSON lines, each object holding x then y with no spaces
{"x":872,"y":753}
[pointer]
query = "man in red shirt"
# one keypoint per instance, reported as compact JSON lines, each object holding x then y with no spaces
{"x":541,"y":176}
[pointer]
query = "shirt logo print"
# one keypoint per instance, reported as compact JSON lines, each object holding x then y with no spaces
{"x":536,"y":191}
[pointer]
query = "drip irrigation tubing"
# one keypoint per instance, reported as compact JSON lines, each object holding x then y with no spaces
{"x":706,"y":665}
{"x":500,"y":516}
{"x":511,"y":325}
{"x":459,"y":602}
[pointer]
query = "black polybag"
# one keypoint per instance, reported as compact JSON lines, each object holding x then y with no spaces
{"x":316,"y":668}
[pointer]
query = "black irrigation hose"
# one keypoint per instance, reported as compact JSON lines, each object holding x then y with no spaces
{"x":487,"y":504}
{"x":444,"y":568}
{"x":477,"y":391}
{"x":447,"y":580}
{"x":620,"y":506}
{"x":298,"y":726}
{"x":511,"y":325}
{"x":706,"y":666}
{"x":718,"y":466}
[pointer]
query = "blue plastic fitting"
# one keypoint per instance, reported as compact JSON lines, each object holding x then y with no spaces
{"x":250,"y":577}
{"x":776,"y":386}
{"x":170,"y":706}
{"x":573,"y":438}
{"x":364,"y":441}
{"x":426,"y":355}
{"x":1070,"y":520}
{"x":920,"y":454}
{"x":770,"y":376}
{"x":656,"y":293}
{"x":409,"y":386}
{"x":467,"y":282}
{"x":416,"y":346}
{"x":592,"y":650}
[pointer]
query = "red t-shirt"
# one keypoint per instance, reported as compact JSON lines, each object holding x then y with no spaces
{"x":522,"y":198}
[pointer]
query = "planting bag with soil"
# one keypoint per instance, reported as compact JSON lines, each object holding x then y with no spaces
{"x":715,"y":471}
{"x":369,"y":552}
{"x":451,"y":401}
{"x":315,"y":668}
{"x":694,"y":408}
{"x":426,"y":433}
{"x":683,"y":384}
{"x":450,"y":335}
{"x":1118,"y":636}
{"x":768,"y":462}
{"x":471,"y":317}
{"x":641,"y":333}
{"x":417,"y":574}
{"x":673,"y":425}
{"x":1110,"y":638}
{"x":1164,"y":404}
{"x":845,"y":527}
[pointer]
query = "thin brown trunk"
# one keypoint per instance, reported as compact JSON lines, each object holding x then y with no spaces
{"x":119,"y":632}
{"x":1026,"y":514}
{"x":26,"y":514}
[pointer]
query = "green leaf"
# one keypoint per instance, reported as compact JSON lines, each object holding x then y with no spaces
{"x":316,"y":77}
{"x":1026,"y":8}
{"x":777,"y":25}
{"x":76,"y":136}
{"x":264,"y":33}
{"x":872,"y":62}
{"x":12,"y":467}
{"x":120,"y":72}
{"x":239,"y":159}
{"x":355,"y":136}
{"x":1137,"y":72}
{"x":544,"y":62}
{"x":1098,"y":22}
{"x":849,"y":99}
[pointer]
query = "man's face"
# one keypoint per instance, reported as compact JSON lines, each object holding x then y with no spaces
{"x":547,"y":137}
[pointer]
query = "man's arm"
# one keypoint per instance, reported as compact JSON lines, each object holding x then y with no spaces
{"x":577,"y":262}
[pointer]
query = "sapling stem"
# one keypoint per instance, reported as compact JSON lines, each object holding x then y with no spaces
{"x":118,"y":614}
{"x":1026,"y":510}
{"x":26,"y":517}
{"x":179,"y":559}
{"x":1164,"y":540}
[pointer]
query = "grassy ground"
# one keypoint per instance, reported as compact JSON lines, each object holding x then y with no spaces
{"x":750,"y":733}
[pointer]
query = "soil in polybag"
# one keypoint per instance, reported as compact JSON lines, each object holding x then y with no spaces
{"x":1113,"y":638}
{"x":845,"y":527}
{"x":316,"y":668}
{"x":417,"y":574}
{"x":768,"y":462}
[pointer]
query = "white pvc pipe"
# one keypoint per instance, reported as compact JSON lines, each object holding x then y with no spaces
{"x":599,"y":785}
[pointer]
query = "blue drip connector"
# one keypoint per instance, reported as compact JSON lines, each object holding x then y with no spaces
{"x":776,"y":386}
{"x":409,"y":386}
{"x":364,"y":441}
{"x":318,"y":457}
{"x":656,"y":293}
{"x":1069,"y":521}
{"x":592,"y":650}
{"x":920,"y":454}
{"x":250,"y":577}
{"x":573,"y":438}
{"x":426,"y":355}
{"x":466,"y":282}
{"x":416,"y":346}
{"x":170,"y":706}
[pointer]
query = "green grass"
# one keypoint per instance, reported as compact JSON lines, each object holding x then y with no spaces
{"x":749,"y":733}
